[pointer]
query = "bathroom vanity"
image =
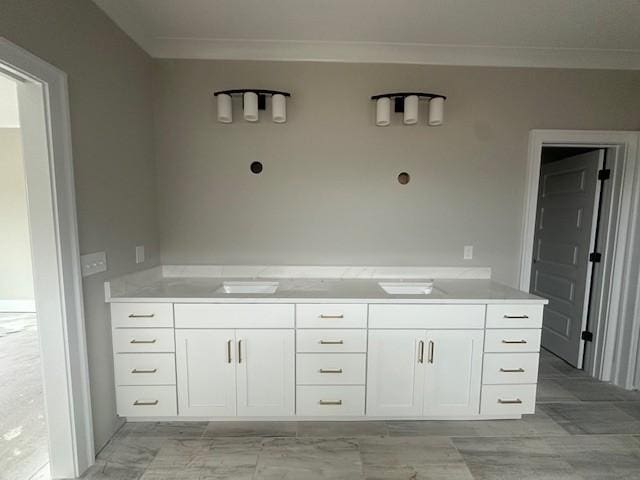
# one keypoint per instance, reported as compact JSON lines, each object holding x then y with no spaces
{"x":204,"y":348}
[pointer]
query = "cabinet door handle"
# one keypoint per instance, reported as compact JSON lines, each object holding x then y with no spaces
{"x":143,"y":341}
{"x":515,"y":316}
{"x":331,"y":342}
{"x":420,"y":351}
{"x":142,"y":315}
{"x":431,"y":348}
{"x":142,"y":370}
{"x":330,"y":370}
{"x":228,"y":351}
{"x":512,"y":370}
{"x":514,"y":341}
{"x":516,"y":401}
{"x":332,"y":316}
{"x":139,"y":403}
{"x":330,"y":402}
{"x":239,"y":351}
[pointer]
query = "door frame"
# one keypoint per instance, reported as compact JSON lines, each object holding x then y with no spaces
{"x":615,"y":353}
{"x":44,"y":118}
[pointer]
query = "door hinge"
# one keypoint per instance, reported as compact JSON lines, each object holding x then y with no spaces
{"x":595,"y":257}
{"x":587,"y":336}
{"x":604,"y":174}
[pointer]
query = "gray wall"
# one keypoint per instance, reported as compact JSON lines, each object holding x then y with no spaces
{"x":111,"y":109}
{"x":16,"y":282}
{"x":328,"y":193}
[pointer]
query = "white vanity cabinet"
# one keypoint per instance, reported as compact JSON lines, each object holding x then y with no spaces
{"x":243,"y":372}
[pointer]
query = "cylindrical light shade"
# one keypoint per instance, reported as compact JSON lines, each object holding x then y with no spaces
{"x":383,"y":112}
{"x":251,"y":106}
{"x":279,"y":108}
{"x":411,"y":110}
{"x":436,"y":111}
{"x":225,"y":110}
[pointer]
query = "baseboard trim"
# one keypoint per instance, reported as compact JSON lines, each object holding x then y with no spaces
{"x":17,"y":306}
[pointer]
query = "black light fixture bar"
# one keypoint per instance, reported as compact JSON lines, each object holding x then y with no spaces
{"x":262,"y":94}
{"x":398,"y":98}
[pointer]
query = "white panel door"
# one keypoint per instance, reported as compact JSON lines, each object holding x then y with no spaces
{"x":453,"y":377}
{"x":205,"y":367}
{"x":265,"y":372}
{"x":395,"y":378}
{"x":564,"y":235}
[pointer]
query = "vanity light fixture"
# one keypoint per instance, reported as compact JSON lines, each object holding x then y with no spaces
{"x":407,"y":104}
{"x":253,"y":100}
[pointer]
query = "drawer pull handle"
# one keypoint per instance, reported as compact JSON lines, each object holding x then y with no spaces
{"x":228,"y":351}
{"x":331,"y":342}
{"x":142,"y":370}
{"x":138,"y":403}
{"x":514,"y":341}
{"x":330,"y":370}
{"x":516,"y":316}
{"x":143,"y":341}
{"x":512,"y":370}
{"x":239,"y":351}
{"x":142,"y":315}
{"x":332,"y":316}
{"x":330,"y":402}
{"x":420,"y":351}
{"x":517,"y":401}
{"x":431,"y":348}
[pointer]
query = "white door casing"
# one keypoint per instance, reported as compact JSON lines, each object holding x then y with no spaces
{"x":564,"y":237}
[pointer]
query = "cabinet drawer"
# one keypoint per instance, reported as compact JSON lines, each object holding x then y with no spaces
{"x":145,"y":369}
{"x":514,"y":316}
{"x":231,"y":315}
{"x":330,"y":401}
{"x":143,"y":340}
{"x":331,"y":341}
{"x":426,"y":316}
{"x":330,"y":368}
{"x":147,"y":401}
{"x":141,"y":315}
{"x":505,"y":368}
{"x":330,"y":315}
{"x":512,"y":340}
{"x":508,"y":399}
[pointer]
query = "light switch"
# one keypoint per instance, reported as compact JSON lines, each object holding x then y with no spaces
{"x":468,"y":252}
{"x":93,"y":263}
{"x":140,"y":254}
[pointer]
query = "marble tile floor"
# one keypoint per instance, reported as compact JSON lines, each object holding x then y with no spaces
{"x":583,"y":429}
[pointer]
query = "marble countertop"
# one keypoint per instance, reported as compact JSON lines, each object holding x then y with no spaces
{"x":318,"y":290}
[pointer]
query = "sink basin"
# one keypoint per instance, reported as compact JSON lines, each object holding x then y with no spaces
{"x":407,"y":288}
{"x":249,"y":287}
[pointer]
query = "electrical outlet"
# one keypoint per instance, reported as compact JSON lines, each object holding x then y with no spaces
{"x":468,"y":252}
{"x":140,"y":254}
{"x":93,"y":263}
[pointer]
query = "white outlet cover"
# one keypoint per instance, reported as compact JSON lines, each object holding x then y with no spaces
{"x":93,"y":263}
{"x":468,"y":252}
{"x":140,"y":254}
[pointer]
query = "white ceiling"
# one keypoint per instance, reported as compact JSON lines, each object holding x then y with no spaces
{"x":556,"y":33}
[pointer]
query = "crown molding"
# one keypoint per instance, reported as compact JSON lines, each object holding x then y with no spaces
{"x":399,"y":53}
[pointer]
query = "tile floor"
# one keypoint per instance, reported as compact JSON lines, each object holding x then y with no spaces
{"x":583,"y":429}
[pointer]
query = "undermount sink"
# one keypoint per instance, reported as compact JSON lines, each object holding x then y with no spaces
{"x":407,"y":288}
{"x":250,"y":287}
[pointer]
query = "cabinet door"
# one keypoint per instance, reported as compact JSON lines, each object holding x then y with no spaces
{"x":205,"y":367}
{"x":453,"y":376}
{"x":265,"y":372}
{"x":395,"y":373}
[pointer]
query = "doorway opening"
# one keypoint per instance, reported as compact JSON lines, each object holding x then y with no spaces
{"x":23,"y":432}
{"x":580,"y":236}
{"x":44,"y":141}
